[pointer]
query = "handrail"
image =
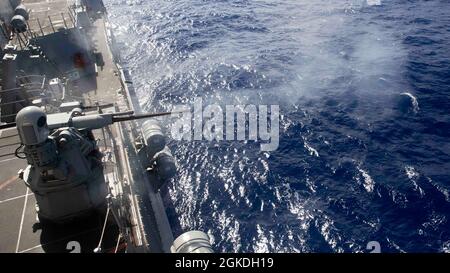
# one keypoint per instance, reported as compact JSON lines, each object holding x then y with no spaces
{"x":10,"y":115}
{"x":19,"y":89}
{"x":40,"y":26}
{"x":12,"y":102}
{"x":10,"y":90}
{"x":31,"y":75}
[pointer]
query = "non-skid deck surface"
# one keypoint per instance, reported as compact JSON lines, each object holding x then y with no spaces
{"x":20,"y":229}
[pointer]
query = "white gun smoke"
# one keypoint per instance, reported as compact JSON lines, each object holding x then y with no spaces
{"x":6,"y":10}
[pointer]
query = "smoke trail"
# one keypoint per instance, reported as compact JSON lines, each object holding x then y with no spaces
{"x":6,"y":10}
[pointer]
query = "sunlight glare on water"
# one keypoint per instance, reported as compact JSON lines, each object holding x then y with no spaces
{"x":363,"y":94}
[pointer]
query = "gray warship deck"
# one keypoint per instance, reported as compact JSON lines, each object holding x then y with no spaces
{"x":20,"y":229}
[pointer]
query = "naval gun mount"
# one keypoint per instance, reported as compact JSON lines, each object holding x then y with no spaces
{"x":64,"y":165}
{"x":66,"y":173}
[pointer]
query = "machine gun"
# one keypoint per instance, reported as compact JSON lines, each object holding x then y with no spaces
{"x":102,"y":120}
{"x":66,"y":173}
{"x":96,"y":121}
{"x":65,"y":170}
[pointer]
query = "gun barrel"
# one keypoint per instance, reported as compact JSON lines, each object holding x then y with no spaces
{"x":102,"y":120}
{"x":92,"y":121}
{"x":141,"y":116}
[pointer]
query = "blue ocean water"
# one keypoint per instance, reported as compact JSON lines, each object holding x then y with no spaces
{"x":364,"y":95}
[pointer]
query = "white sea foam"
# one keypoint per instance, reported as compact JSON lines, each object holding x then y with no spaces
{"x":411,"y":172}
{"x":373,"y":2}
{"x":311,"y":150}
{"x":368,"y":183}
{"x":413,"y":101}
{"x":262,"y":242}
{"x":413,"y":175}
